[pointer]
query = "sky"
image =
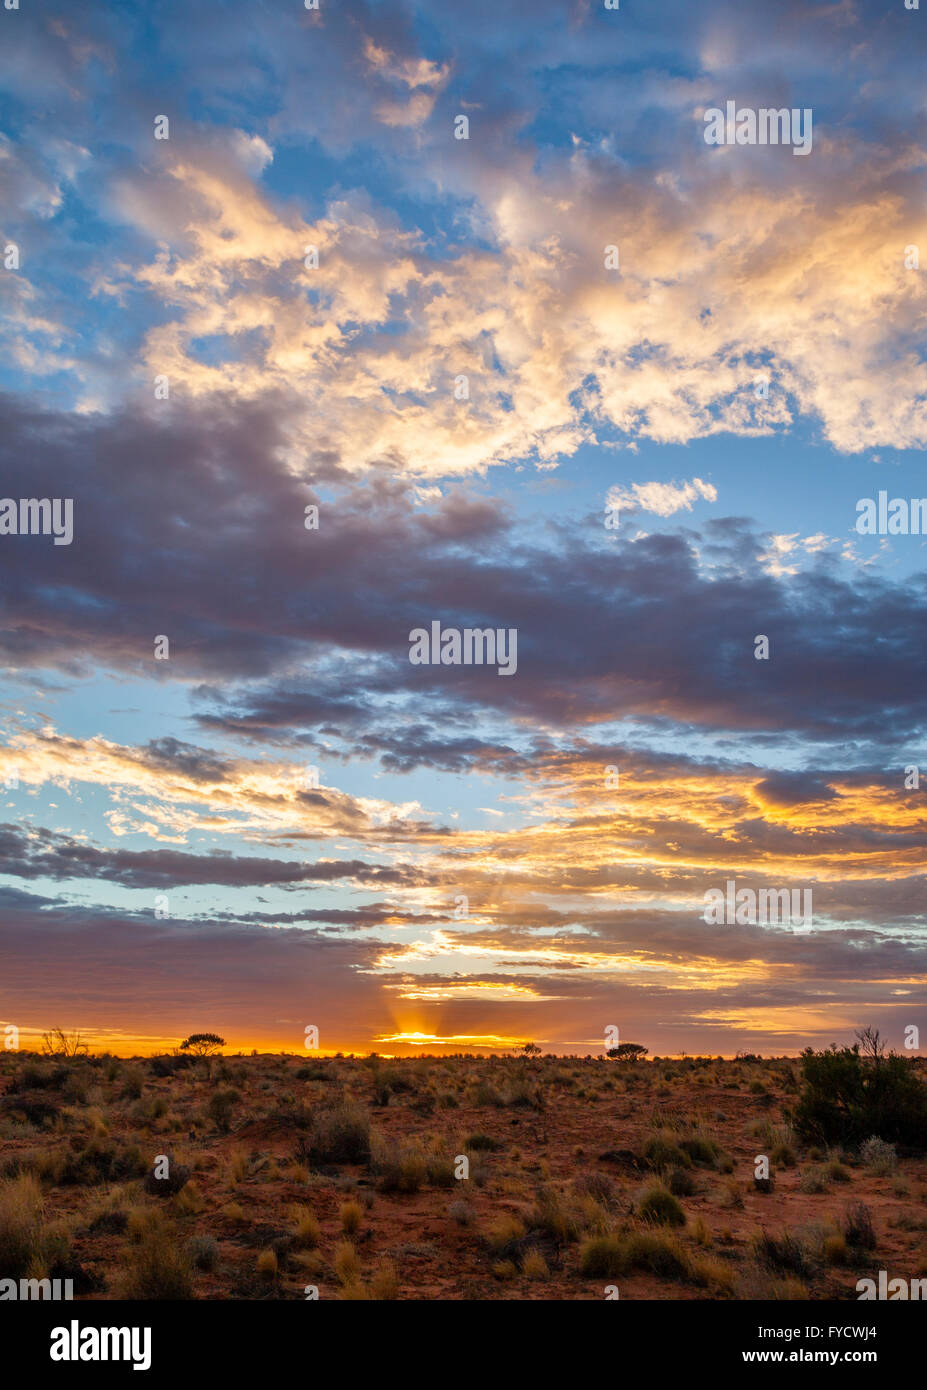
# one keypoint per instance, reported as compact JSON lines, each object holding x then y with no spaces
{"x":332,"y":324}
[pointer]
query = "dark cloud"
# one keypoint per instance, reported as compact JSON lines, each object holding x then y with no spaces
{"x":794,"y":789}
{"x":47,"y":854}
{"x":202,"y":541}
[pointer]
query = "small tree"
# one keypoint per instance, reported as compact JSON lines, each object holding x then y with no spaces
{"x":871,"y":1043}
{"x":58,"y":1043}
{"x":202,"y":1044}
{"x":844,"y":1100}
{"x":530,"y":1049}
{"x":626,"y":1052}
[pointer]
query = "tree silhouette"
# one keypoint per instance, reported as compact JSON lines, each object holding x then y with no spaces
{"x":202,"y":1044}
{"x":58,"y":1043}
{"x":626,"y":1052}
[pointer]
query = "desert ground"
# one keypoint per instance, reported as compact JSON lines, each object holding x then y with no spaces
{"x":451,"y":1178}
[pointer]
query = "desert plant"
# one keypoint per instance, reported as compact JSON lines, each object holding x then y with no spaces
{"x":203,"y":1252}
{"x":158,"y":1269}
{"x":347,"y":1263}
{"x":846,"y":1097}
{"x":784,"y":1253}
{"x":481,"y":1143}
{"x":21,"y":1224}
{"x":307,"y":1232}
{"x":220,"y":1106}
{"x":351,"y":1216}
{"x":59,"y":1043}
{"x":879,"y":1157}
{"x":603,"y":1257}
{"x":202,"y":1044}
{"x":858,"y":1228}
{"x":661,"y":1207}
{"x":339,"y":1134}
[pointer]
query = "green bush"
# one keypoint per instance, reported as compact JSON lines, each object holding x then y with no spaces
{"x":660,"y":1206}
{"x":846,"y":1098}
{"x":220,"y":1107}
{"x":340,"y":1134}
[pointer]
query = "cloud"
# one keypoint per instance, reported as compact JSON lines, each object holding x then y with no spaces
{"x":204,"y":542}
{"x":663,"y":499}
{"x":445,"y":264}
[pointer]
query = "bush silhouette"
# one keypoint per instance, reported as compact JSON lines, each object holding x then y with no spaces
{"x":202,"y":1044}
{"x":626,"y":1052}
{"x":846,"y":1098}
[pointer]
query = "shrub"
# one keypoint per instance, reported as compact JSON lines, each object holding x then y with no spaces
{"x":784,"y":1253}
{"x":534,"y":1265}
{"x":34,"y":1077}
{"x":598,"y":1186}
{"x":813,"y":1180}
{"x":220,"y":1107}
{"x":188,"y":1202}
{"x":835,"y":1250}
{"x":159,"y":1269}
{"x":307,"y":1233}
{"x":440,"y":1170}
{"x":505,"y":1233}
{"x":554,"y":1216}
{"x":481,"y":1143}
{"x":351,"y":1216}
{"x":857,"y":1227}
{"x":783,"y":1155}
{"x":461,"y":1212}
{"x":700,"y":1150}
{"x":399,"y":1169}
{"x":339,"y":1134}
{"x":133,"y":1083}
{"x":21,"y":1225}
{"x":846,"y":1097}
{"x":33,"y":1110}
{"x":167,"y":1066}
{"x":603,"y":1257}
{"x":103,"y":1161}
{"x":658,"y":1254}
{"x":524,"y":1092}
{"x":879,"y":1157}
{"x":714,"y":1274}
{"x":203,"y":1252}
{"x":660,"y":1206}
{"x":347,"y":1263}
{"x":680,"y":1182}
{"x":664,"y":1153}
